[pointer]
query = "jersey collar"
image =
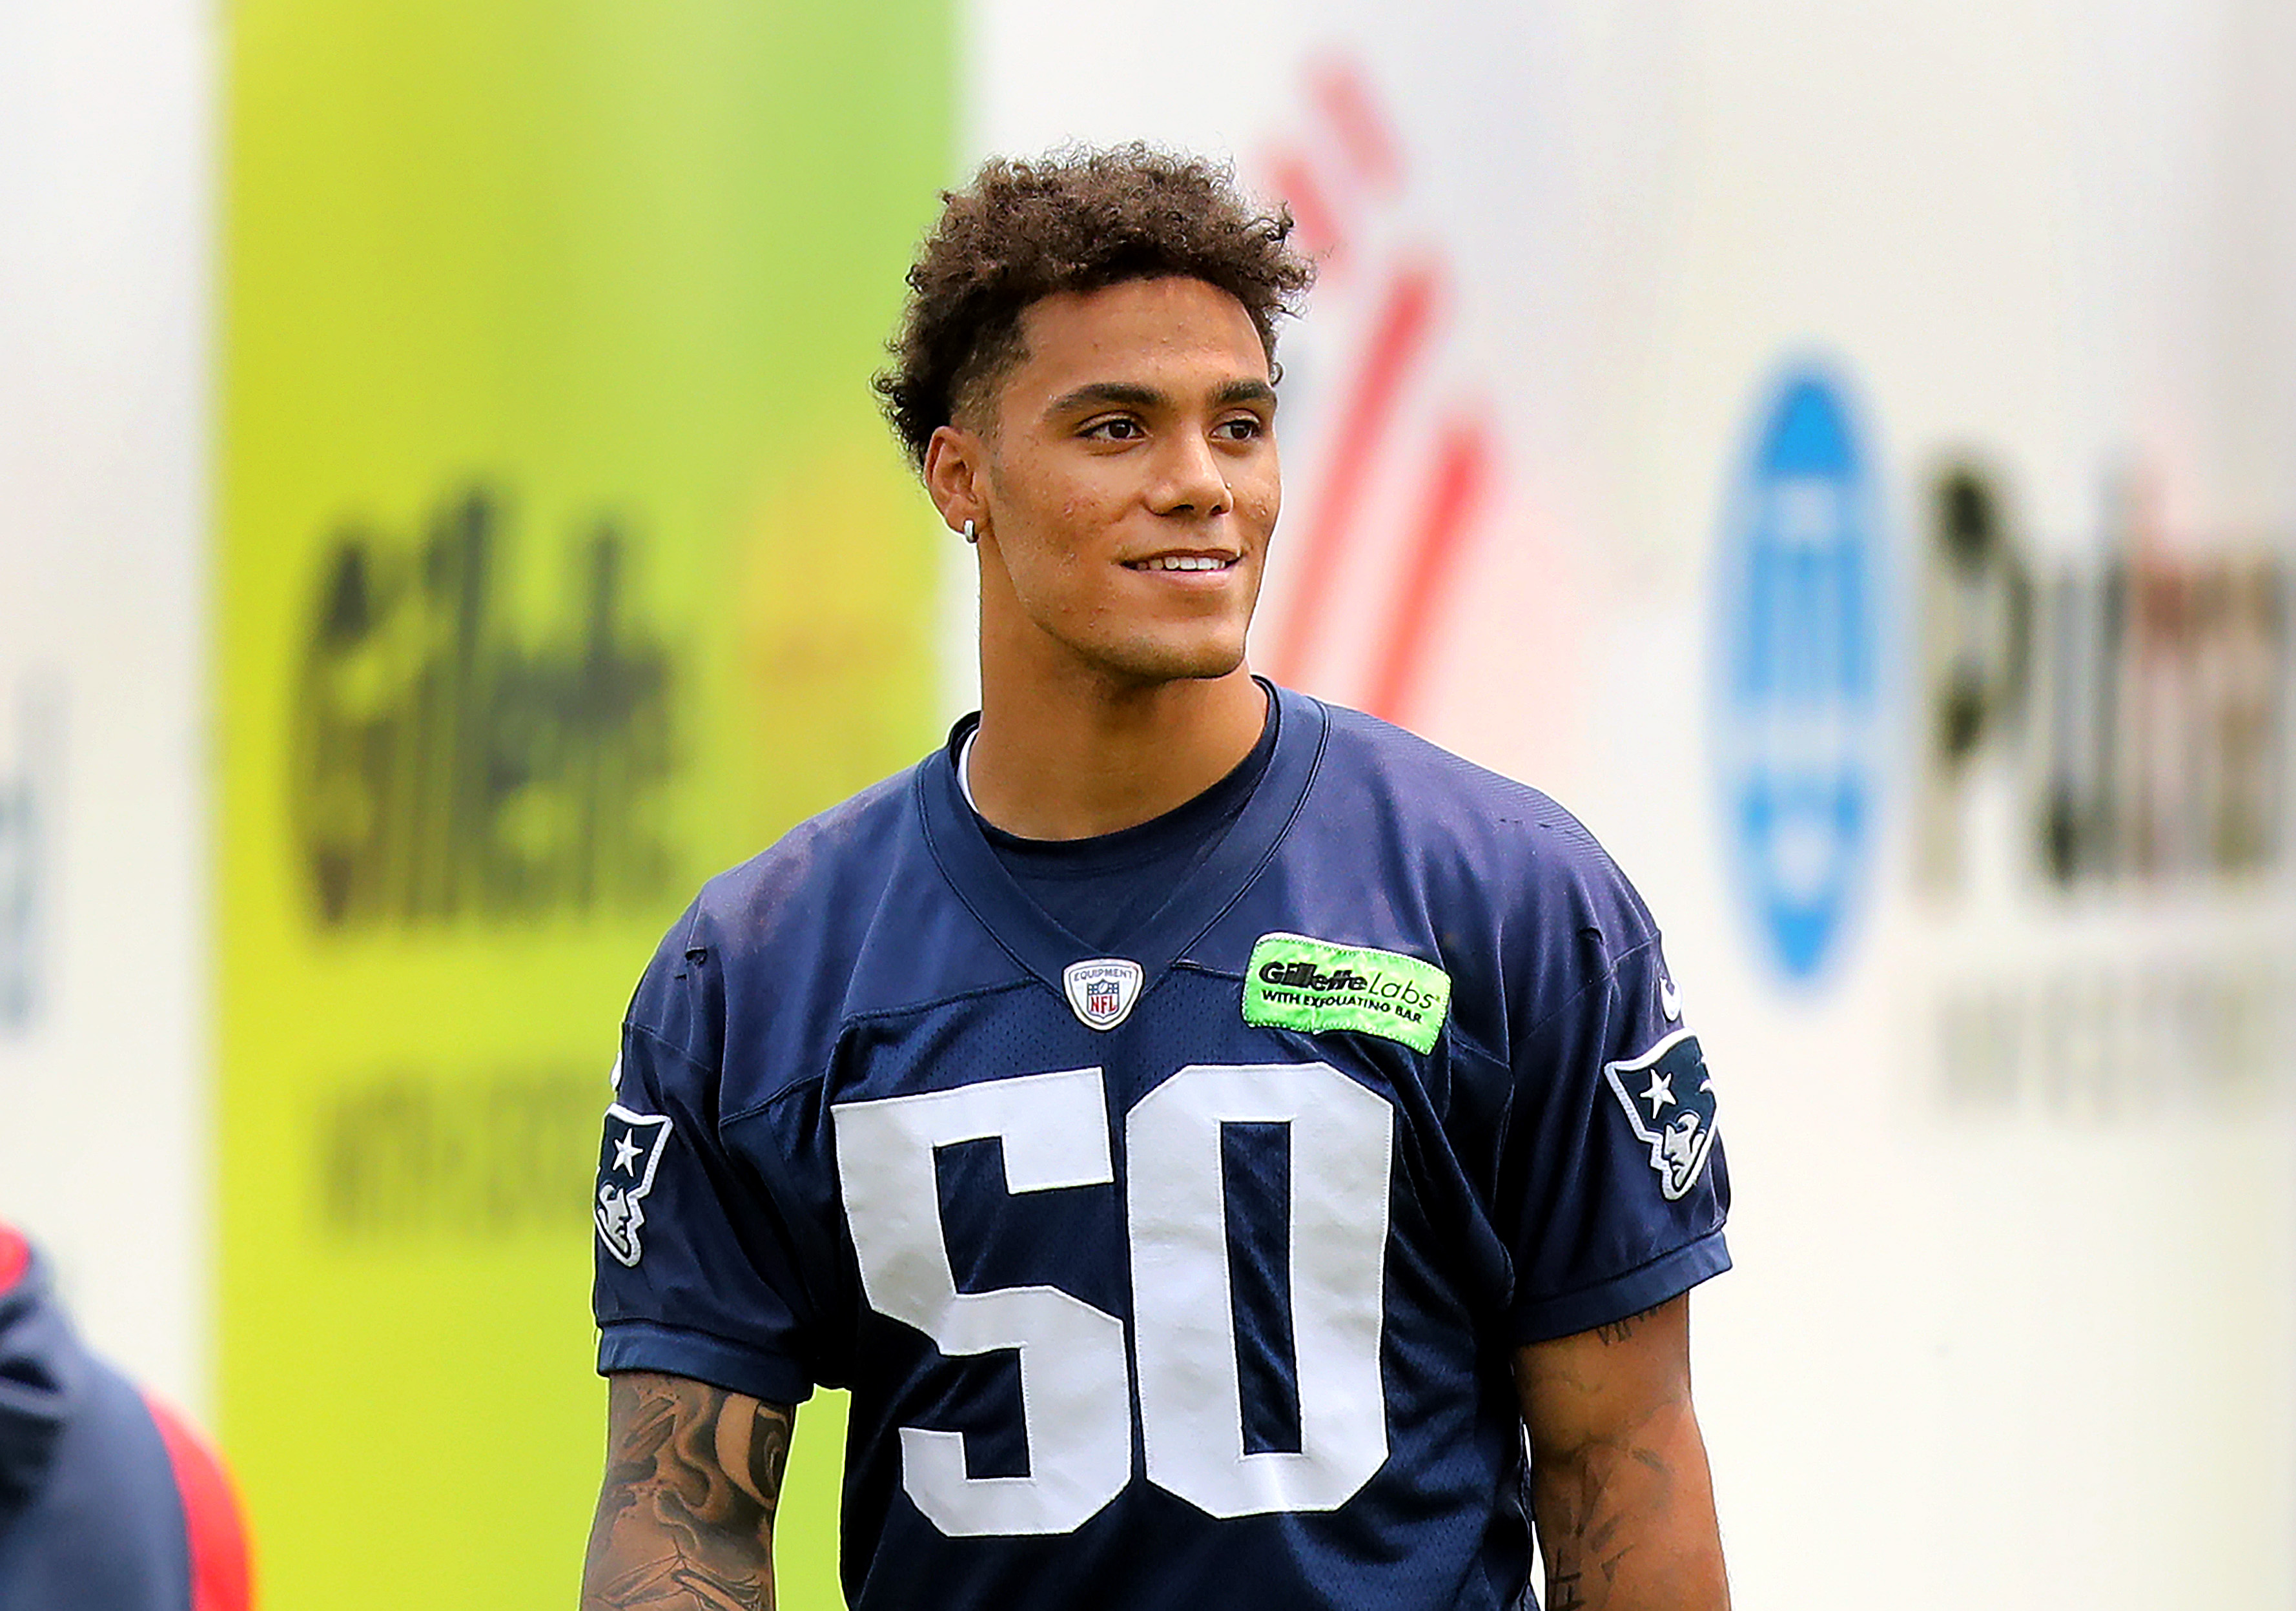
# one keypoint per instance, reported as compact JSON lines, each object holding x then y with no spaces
{"x":1043,"y":946}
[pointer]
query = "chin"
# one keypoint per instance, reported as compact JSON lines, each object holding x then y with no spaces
{"x":1204,"y":660}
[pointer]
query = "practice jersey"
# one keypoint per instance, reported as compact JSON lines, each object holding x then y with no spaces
{"x":1187,"y":1274}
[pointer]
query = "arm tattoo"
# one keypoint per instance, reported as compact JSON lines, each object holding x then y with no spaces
{"x":685,"y":1520}
{"x":1618,"y":1331}
{"x":1620,"y":1493}
{"x":1582,"y":1514}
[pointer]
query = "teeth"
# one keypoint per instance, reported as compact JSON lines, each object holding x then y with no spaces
{"x":1186,"y":562}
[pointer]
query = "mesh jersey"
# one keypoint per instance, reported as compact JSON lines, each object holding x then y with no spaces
{"x":1215,"y":1303}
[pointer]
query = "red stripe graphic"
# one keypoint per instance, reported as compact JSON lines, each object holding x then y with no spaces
{"x":214,"y":1530}
{"x":1454,"y":495}
{"x":1396,"y":343}
{"x":1363,"y":133}
{"x":1319,"y":229}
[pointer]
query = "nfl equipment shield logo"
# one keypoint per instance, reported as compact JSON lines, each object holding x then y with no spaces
{"x":1670,"y":1105}
{"x":627,"y":1160}
{"x":1101,"y":992}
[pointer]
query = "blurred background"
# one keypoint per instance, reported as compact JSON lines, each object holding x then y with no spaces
{"x":1847,"y":452}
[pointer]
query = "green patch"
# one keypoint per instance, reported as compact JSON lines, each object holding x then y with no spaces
{"x":1315,"y":987}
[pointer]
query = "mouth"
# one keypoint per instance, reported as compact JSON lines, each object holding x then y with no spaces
{"x":1184,"y":562}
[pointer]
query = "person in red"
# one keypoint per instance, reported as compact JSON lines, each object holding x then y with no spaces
{"x":109,"y":1499}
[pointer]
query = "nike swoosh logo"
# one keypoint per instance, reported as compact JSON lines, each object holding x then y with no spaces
{"x":1669,"y":1000}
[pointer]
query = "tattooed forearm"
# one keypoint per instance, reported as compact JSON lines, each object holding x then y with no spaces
{"x":686,"y":1519}
{"x":1627,"y":1523}
{"x":1620,"y":1493}
{"x":1590,"y":1511}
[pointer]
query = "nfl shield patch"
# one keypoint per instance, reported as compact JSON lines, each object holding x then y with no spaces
{"x":1670,"y":1104}
{"x":1101,"y":992}
{"x":627,"y":1160}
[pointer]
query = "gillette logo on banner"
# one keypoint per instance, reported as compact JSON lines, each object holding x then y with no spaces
{"x":449,"y":765}
{"x":1799,"y":730}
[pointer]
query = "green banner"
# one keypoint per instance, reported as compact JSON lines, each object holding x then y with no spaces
{"x":564,"y":561}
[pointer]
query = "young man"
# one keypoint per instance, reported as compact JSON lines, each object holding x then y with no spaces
{"x":1202,"y":1127}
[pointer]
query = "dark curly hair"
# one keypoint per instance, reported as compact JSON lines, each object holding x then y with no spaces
{"x":1075,"y":221}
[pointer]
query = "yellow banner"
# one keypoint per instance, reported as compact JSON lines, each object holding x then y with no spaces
{"x":562,"y":561}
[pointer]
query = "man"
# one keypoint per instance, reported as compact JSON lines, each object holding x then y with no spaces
{"x":107,"y":1500}
{"x":1203,"y":1128}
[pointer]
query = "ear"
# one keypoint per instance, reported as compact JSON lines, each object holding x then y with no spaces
{"x":956,"y":475}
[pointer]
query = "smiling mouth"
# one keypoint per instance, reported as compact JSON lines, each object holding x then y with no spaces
{"x":1181,"y":562}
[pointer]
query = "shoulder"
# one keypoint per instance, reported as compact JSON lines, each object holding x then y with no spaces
{"x":811,"y":871}
{"x":1363,"y":751}
{"x":1514,"y":889}
{"x":1515,"y":844}
{"x":785,"y":926}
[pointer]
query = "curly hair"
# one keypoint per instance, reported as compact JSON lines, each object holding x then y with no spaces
{"x":1075,"y":221}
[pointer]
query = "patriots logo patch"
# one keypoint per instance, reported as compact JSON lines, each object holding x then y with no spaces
{"x":627,"y":1159}
{"x":1669,"y":1102}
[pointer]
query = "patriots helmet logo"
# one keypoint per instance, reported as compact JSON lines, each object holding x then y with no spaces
{"x":627,"y":1159}
{"x":1670,"y":1103}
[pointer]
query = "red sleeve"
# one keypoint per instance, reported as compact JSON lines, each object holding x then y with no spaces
{"x":214,"y":1527}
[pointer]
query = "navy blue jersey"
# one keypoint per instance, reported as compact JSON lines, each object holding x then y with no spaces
{"x":1189,"y":1275}
{"x":1099,"y":888}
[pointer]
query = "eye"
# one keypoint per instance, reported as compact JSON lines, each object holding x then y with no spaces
{"x":1117,"y":428}
{"x":1243,"y":428}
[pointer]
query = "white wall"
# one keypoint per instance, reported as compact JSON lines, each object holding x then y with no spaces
{"x":104,"y":219}
{"x":2016,"y":1168}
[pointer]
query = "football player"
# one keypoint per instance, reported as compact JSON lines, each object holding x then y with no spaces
{"x":1230,"y":1149}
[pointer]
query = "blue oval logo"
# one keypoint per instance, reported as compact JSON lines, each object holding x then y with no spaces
{"x":1799,"y":726}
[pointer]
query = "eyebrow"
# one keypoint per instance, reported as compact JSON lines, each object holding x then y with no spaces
{"x":1129,"y":395}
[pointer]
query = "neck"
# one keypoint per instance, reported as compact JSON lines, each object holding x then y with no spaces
{"x":1073,"y":760}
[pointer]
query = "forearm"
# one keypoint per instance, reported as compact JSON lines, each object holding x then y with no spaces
{"x":1627,"y":1523}
{"x":684,"y":1521}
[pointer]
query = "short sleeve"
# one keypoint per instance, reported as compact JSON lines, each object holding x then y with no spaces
{"x":697,"y":1274}
{"x":1612,"y":1184}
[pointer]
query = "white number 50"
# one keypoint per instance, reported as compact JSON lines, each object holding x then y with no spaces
{"x":1074,"y":1389}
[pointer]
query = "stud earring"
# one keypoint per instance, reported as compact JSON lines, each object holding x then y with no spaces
{"x":971,"y":536}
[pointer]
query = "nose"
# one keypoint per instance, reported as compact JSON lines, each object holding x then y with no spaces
{"x":1190,"y":479}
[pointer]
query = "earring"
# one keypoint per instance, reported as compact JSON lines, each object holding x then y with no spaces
{"x":971,"y":536}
